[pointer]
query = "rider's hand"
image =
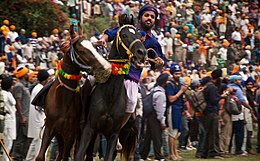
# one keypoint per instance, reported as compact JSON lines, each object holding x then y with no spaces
{"x":101,"y":42}
{"x":158,"y":62}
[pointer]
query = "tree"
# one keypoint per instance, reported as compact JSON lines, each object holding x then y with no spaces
{"x":34,"y":15}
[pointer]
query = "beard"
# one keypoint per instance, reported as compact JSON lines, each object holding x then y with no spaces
{"x":147,"y":25}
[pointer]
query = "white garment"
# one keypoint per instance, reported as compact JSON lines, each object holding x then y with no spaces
{"x":36,"y":118}
{"x":87,"y":8}
{"x":10,"y":122}
{"x":35,"y":126}
{"x":72,"y":3}
{"x":249,"y":121}
{"x":168,"y":47}
{"x":12,"y":35}
{"x":132,"y":93}
{"x":139,"y":107}
{"x":236,"y":36}
{"x":233,"y":8}
{"x":206,"y":17}
{"x":239,"y":116}
{"x":34,"y":149}
{"x":223,"y":52}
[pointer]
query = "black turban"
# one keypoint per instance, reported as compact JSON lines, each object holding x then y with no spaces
{"x":216,"y":74}
{"x":42,"y":75}
{"x":6,"y":83}
{"x":147,"y":7}
{"x":163,"y":78}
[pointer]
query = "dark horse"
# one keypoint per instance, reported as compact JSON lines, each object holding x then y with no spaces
{"x":108,"y":101}
{"x":63,"y":105}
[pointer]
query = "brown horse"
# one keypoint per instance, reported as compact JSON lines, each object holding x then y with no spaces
{"x":63,"y":105}
{"x":108,"y":100}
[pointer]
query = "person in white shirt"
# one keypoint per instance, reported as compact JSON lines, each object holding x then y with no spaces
{"x":168,"y":51}
{"x":12,"y":34}
{"x":233,"y":7}
{"x":236,"y":36}
{"x":27,"y":50}
{"x":206,"y":16}
{"x":10,"y":118}
{"x":36,"y":118}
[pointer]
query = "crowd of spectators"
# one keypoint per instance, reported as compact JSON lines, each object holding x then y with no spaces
{"x":201,"y":36}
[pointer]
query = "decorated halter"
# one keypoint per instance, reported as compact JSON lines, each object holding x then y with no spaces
{"x":122,"y":69}
{"x":60,"y":72}
{"x":119,"y":42}
{"x":74,"y":56}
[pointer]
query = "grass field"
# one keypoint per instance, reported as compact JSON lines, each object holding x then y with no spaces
{"x":190,"y":156}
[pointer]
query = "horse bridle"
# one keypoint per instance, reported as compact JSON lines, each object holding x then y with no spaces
{"x":119,"y":41}
{"x":75,"y":56}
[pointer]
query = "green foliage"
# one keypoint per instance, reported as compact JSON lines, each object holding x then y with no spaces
{"x":34,"y":15}
{"x":97,"y":24}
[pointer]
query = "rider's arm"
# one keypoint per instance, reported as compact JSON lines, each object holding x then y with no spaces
{"x":111,"y":34}
{"x":108,"y":36}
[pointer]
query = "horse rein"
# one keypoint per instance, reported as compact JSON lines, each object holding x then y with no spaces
{"x":156,"y":55}
{"x":119,"y":41}
{"x":75,"y":56}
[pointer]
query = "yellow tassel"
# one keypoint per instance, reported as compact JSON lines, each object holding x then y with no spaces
{"x":78,"y":89}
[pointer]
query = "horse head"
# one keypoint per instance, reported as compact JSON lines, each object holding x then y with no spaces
{"x":127,"y":46}
{"x":82,"y":53}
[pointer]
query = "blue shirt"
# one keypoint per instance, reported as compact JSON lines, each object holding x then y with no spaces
{"x":150,"y":42}
{"x":239,"y":93}
{"x":173,"y":90}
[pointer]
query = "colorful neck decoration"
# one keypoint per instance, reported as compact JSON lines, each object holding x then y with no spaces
{"x":120,"y":69}
{"x":65,"y":75}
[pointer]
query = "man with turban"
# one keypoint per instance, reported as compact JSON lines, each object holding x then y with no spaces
{"x":36,"y":117}
{"x":175,"y":94}
{"x":22,"y":96}
{"x":147,"y":16}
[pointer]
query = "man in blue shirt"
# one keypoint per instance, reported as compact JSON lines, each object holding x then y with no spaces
{"x":147,"y":17}
{"x":238,"y":120}
{"x":174,"y":92}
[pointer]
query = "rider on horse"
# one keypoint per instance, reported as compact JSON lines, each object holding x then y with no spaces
{"x":147,"y":17}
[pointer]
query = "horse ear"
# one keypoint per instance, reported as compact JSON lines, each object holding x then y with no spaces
{"x":73,"y":34}
{"x":132,"y":19}
{"x":80,"y":29}
{"x":121,"y":19}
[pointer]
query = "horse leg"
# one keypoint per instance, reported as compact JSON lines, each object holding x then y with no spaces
{"x":85,"y":140}
{"x":67,"y":147}
{"x":61,"y":148}
{"x":111,"y":146}
{"x":90,"y":150}
{"x":47,"y":136}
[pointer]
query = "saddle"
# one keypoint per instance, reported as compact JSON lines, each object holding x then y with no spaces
{"x":39,"y":99}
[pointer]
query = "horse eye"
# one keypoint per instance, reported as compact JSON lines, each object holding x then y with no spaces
{"x":124,"y":36}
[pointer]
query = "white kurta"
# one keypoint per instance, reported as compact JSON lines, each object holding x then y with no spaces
{"x":36,"y":118}
{"x":35,"y":124}
{"x":10,"y":122}
{"x":10,"y":118}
